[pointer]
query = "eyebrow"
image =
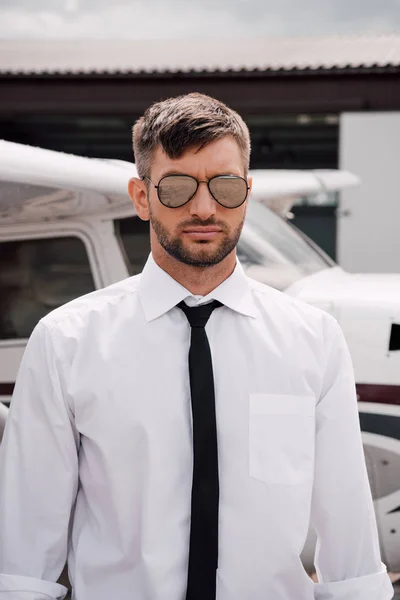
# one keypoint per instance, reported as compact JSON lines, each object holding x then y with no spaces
{"x":174,"y":173}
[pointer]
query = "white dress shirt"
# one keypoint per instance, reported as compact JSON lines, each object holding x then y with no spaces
{"x":96,"y":461}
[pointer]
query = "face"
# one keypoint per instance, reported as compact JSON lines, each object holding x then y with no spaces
{"x":201,"y":233}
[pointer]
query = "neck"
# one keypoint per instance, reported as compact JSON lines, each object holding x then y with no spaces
{"x":200,"y":281}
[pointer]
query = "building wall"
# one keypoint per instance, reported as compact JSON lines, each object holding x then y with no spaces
{"x":368,"y":229}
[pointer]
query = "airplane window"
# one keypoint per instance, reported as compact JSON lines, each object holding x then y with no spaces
{"x":37,"y":276}
{"x":288,"y":241}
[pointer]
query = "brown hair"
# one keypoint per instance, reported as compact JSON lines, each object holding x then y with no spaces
{"x":180,"y":123}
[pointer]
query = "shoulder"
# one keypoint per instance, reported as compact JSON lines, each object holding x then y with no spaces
{"x":96,"y":303}
{"x":291,"y":311}
{"x":83,"y":328}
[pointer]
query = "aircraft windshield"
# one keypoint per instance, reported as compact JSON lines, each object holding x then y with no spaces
{"x":274,"y":252}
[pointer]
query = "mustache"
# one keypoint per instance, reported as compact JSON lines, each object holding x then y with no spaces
{"x":206,"y":223}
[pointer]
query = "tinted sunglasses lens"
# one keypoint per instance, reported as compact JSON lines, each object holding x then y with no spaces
{"x":176,"y":190}
{"x":231,"y":192}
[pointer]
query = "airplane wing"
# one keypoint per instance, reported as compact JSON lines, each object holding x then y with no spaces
{"x":37,"y":183}
{"x":280,"y":189}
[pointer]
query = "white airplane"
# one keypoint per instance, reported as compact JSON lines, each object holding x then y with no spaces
{"x":67,"y":227}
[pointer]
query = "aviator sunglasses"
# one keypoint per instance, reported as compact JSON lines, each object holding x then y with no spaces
{"x":174,"y":191}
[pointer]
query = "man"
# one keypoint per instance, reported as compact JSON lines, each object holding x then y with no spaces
{"x":173,"y":434}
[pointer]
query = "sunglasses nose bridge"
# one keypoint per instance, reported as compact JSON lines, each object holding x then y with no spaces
{"x":202,"y":203}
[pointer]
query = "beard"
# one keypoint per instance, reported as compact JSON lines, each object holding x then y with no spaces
{"x":200,"y":254}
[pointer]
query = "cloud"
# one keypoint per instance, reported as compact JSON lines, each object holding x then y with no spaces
{"x":147,"y":19}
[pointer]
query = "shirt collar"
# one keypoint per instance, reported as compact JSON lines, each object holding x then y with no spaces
{"x":159,"y":292}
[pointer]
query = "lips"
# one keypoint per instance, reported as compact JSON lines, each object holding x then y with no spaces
{"x":202,"y":230}
{"x":202,"y":234}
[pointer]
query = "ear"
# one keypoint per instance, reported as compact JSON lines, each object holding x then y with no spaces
{"x":138,"y":192}
{"x":250,"y":184}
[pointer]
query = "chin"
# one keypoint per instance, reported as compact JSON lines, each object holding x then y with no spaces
{"x":200,"y":253}
{"x":203,"y":259}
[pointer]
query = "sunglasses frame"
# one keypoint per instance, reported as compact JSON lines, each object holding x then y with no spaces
{"x":197,"y":187}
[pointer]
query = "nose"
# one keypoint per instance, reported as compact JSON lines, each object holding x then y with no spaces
{"x":202,"y":204}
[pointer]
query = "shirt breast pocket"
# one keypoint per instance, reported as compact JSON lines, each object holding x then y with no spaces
{"x":281,"y":438}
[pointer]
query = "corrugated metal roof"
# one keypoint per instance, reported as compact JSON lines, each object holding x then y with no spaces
{"x":222,"y":55}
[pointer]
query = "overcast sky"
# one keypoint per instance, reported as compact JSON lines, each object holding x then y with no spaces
{"x":144,"y":19}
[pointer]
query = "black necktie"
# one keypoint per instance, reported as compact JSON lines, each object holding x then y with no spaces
{"x":203,"y":547}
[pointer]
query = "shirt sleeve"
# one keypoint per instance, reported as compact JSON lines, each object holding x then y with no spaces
{"x":38,"y":477}
{"x":347,"y":557}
